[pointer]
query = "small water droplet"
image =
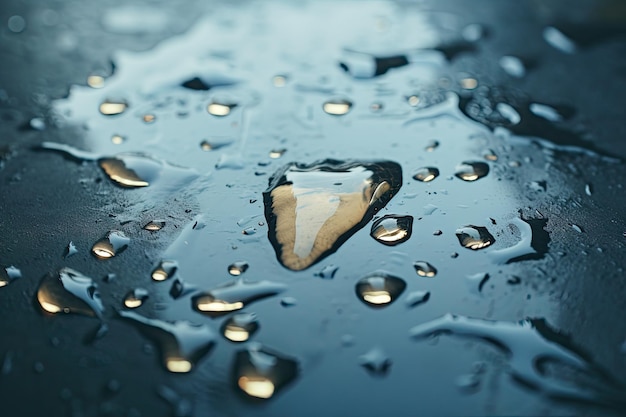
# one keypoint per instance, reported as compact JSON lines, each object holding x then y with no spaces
{"x":165,"y":270}
{"x":221,"y":108}
{"x":426,"y":174}
{"x":337,"y":106}
{"x":70,"y":250}
{"x":261,"y":373}
{"x":513,"y":66}
{"x":577,"y":228}
{"x":454,"y":255}
{"x":413,"y":100}
{"x":473,"y":32}
{"x":509,"y":113}
{"x":112,"y":108}
{"x":95,"y":81}
{"x":279,"y":80}
{"x":416,"y":298}
{"x":327,"y":272}
{"x":490,"y":155}
{"x":154,"y":225}
{"x":37,"y":123}
{"x":69,"y":291}
{"x":118,"y":139}
{"x":558,"y":40}
{"x":471,"y":170}
{"x":379,"y":289}
{"x":248,"y":231}
{"x":474,"y":237}
{"x":113,"y":243}
{"x":468,"y":83}
{"x":392,"y":229}
{"x":16,"y":24}
{"x":182,"y":344}
{"x":240,"y":327}
{"x":588,"y":189}
{"x":437,"y":233}
{"x":431,"y":146}
{"x":136,"y":297}
{"x":288,"y":302}
{"x":376,"y":362}
{"x":234,"y":296}
{"x":277,"y":153}
{"x":149,"y":118}
{"x":8,"y":275}
{"x":238,"y":268}
{"x":425,"y":269}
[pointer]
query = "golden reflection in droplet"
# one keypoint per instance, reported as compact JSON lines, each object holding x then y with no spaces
{"x":413,"y":100}
{"x":149,"y":118}
{"x":49,"y":307}
{"x":95,"y":81}
{"x":206,"y":146}
{"x":3,"y":283}
{"x":391,"y":235}
{"x":117,"y":139}
{"x":159,"y":275}
{"x":337,"y":107}
{"x":279,"y":81}
{"x":178,"y":365}
{"x":469,"y":83}
{"x":468,"y":176}
{"x":377,"y":297}
{"x":103,"y":249}
{"x":118,"y":172}
{"x":218,"y":109}
{"x":236,"y":333}
{"x":277,"y":153}
{"x":132,"y":302}
{"x":256,"y":386}
{"x":216,"y":306}
{"x":111,"y":108}
{"x":154,"y":226}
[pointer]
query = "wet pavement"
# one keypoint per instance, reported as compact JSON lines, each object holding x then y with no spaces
{"x":313,"y":209}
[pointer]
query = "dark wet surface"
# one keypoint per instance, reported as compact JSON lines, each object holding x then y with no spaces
{"x":181,"y":121}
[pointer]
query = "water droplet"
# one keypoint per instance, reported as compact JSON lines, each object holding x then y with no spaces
{"x":430,"y":147}
{"x":311,"y":210}
{"x":277,"y":153}
{"x":234,"y":296}
{"x":16,"y":24}
{"x":221,"y":108}
{"x":238,"y":268}
{"x":118,"y":139}
{"x":70,"y":250}
{"x":509,"y":113}
{"x":328,"y":272}
{"x":474,"y":237}
{"x":279,"y":80}
{"x":545,"y":111}
{"x":8,"y":275}
{"x":180,"y":289}
{"x":215,"y":143}
{"x":337,"y":106}
{"x":154,"y":225}
{"x":149,"y":118}
{"x":454,"y":255}
{"x":376,"y":362}
{"x":416,"y":298}
{"x":437,"y":233}
{"x":426,"y":174}
{"x":413,"y":100}
{"x":112,"y":108}
{"x":182,"y":344}
{"x":558,"y":40}
{"x":249,"y":231}
{"x":379,"y":289}
{"x":588,"y":189}
{"x":392,"y":229}
{"x":424,"y":269}
{"x":490,"y":155}
{"x":471,"y":171}
{"x":131,"y":170}
{"x":69,"y":291}
{"x":473,"y":32}
{"x":288,"y":302}
{"x":468,"y":83}
{"x":477,"y":281}
{"x":240,"y":327}
{"x":95,"y":81}
{"x":376,"y":107}
{"x":528,"y":345}
{"x":261,"y":373}
{"x":165,"y":270}
{"x":577,"y":228}
{"x":513,"y":66}
{"x":136,"y":297}
{"x":113,"y":243}
{"x":37,"y":123}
